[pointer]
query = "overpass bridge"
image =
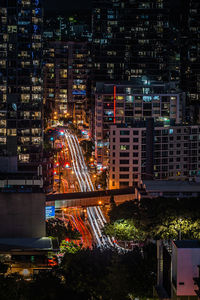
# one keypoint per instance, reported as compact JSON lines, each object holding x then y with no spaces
{"x":94,"y":198}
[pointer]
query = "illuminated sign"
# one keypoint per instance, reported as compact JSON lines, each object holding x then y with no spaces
{"x":78,"y":92}
{"x":50,"y":212}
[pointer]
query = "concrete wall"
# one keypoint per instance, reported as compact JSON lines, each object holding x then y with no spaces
{"x":185,"y":263}
{"x":84,"y":202}
{"x":22,"y":215}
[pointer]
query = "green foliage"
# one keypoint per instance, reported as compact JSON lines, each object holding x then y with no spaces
{"x":89,"y":275}
{"x":126,"y":210}
{"x":109,"y":275}
{"x":69,"y":247}
{"x":57,"y":228}
{"x":12,"y":287}
{"x":46,"y":286}
{"x":124,"y":230}
{"x":159,"y":218}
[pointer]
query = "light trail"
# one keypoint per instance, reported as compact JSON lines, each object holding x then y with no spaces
{"x":95,"y":215}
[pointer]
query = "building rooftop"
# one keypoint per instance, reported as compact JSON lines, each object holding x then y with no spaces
{"x":171,"y":186}
{"x":26,"y":244}
{"x":187,"y":244}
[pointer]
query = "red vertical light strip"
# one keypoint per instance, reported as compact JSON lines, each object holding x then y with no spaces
{"x":114,"y":104}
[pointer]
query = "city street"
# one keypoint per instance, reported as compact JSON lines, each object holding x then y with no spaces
{"x":73,"y":151}
{"x":75,"y":216}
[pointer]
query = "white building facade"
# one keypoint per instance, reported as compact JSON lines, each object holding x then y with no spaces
{"x":146,"y":151}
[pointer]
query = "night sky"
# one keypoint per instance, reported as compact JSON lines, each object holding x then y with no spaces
{"x":67,"y":5}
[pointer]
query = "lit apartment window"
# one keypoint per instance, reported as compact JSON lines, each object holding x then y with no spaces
{"x":124,"y":147}
{"x":3,"y":123}
{"x":11,"y":132}
{"x":36,"y":140}
{"x":2,"y":140}
{"x":24,"y":158}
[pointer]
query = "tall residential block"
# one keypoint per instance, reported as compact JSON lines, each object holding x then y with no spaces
{"x":125,"y":102}
{"x":148,"y":150}
{"x":66,"y":80}
{"x":133,"y":38}
{"x":190,"y":48}
{"x":21,"y":99}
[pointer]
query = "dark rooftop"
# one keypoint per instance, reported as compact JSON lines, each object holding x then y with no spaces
{"x":187,"y":244}
{"x":24,"y":244}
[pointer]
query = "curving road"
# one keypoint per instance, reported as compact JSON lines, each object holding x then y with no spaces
{"x":95,"y":215}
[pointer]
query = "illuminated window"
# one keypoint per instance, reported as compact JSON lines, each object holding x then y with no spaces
{"x":2,"y":123}
{"x":25,"y":140}
{"x":12,"y":29}
{"x":124,"y":147}
{"x":25,"y":98}
{"x":36,"y":140}
{"x":2,"y":131}
{"x":12,"y":132}
{"x":119,"y":97}
{"x":129,"y":99}
{"x":2,"y":140}
{"x":24,"y":158}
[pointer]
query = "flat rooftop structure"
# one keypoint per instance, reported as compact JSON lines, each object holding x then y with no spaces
{"x":26,"y":244}
{"x":187,"y":244}
{"x":171,"y":186}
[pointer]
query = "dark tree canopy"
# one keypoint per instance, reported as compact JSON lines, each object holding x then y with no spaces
{"x":159,"y":218}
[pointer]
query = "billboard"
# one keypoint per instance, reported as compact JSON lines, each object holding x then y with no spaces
{"x":50,"y":212}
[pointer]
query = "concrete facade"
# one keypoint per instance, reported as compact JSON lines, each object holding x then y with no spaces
{"x":22,"y":215}
{"x":150,"y":151}
{"x":123,"y":103}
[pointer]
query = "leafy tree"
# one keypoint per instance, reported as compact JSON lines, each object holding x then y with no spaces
{"x":126,"y":210}
{"x":47,"y":286}
{"x":161,"y":218}
{"x":124,"y":230}
{"x":88,"y":275}
{"x":12,"y":287}
{"x":110,"y":275}
{"x":85,"y":272}
{"x":57,"y":228}
{"x":69,"y":247}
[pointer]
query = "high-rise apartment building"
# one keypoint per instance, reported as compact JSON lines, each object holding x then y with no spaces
{"x":152,"y":151}
{"x":21,"y":99}
{"x":55,"y":80}
{"x":123,"y":103}
{"x":78,"y":80}
{"x":66,"y":80}
{"x":133,"y":38}
{"x":190,"y":48}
